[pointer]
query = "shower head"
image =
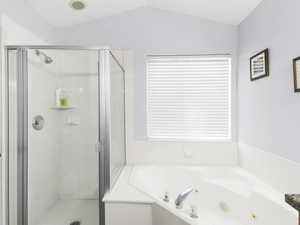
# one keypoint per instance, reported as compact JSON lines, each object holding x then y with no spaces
{"x":47,"y":59}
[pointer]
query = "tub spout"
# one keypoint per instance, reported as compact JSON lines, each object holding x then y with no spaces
{"x":182,"y":196}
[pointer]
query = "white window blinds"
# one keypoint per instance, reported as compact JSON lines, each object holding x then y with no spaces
{"x":188,"y":97}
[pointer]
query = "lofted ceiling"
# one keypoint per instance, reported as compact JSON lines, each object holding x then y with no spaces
{"x":59,"y":14}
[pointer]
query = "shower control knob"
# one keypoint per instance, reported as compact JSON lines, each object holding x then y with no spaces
{"x":38,"y":122}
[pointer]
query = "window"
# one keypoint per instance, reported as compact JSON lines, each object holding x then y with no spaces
{"x":189,"y":98}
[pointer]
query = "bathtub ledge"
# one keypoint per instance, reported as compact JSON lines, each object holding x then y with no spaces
{"x":123,"y":192}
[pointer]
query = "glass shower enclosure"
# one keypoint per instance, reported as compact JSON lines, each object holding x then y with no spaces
{"x":65,"y":148}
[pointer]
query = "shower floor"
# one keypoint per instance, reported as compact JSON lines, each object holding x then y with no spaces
{"x":66,"y":211}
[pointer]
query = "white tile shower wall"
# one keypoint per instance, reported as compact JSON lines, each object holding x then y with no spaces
{"x":151,"y":31}
{"x":79,"y":159}
{"x":43,"y":145}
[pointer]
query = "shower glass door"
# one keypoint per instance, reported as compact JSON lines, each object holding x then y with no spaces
{"x":60,"y":134}
{"x":62,"y":161}
{"x":117,"y":123}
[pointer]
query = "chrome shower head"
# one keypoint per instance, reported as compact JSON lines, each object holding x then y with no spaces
{"x":47,"y":59}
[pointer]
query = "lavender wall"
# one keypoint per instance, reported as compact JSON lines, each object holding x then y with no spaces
{"x":269,"y":110}
{"x":25,"y":16}
{"x":152,"y":31}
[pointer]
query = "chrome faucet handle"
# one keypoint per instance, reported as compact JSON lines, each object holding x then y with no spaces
{"x":166,"y":197}
{"x":194,"y":213}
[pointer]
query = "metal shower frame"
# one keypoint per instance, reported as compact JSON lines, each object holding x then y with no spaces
{"x":104,"y":130}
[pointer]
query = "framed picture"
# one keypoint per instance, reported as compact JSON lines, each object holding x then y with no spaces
{"x":259,"y":65}
{"x":296,"y":67}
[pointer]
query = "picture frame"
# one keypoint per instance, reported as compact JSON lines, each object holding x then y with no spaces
{"x":296,"y":71}
{"x":259,"y":65}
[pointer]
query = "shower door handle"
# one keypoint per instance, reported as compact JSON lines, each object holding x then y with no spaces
{"x":99,"y":147}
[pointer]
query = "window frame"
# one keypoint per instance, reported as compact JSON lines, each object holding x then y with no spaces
{"x":231,"y":104}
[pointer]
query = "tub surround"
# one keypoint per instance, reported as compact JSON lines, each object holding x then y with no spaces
{"x":246,"y":198}
{"x":271,"y":168}
{"x":124,"y":199}
{"x":123,"y":191}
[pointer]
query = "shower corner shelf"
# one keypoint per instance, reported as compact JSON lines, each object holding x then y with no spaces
{"x":62,"y":107}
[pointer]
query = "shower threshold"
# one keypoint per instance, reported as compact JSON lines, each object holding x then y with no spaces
{"x":72,"y":212}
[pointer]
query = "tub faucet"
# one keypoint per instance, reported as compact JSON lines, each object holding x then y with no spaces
{"x":182,"y":196}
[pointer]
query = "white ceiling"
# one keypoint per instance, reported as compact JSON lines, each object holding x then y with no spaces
{"x":59,"y":14}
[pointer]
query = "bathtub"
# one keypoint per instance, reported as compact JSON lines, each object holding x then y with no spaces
{"x":224,"y":196}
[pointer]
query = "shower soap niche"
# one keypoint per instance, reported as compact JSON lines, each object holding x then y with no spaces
{"x":62,"y":99}
{"x":62,"y":107}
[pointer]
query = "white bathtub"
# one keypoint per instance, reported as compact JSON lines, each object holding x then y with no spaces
{"x":244,"y":199}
